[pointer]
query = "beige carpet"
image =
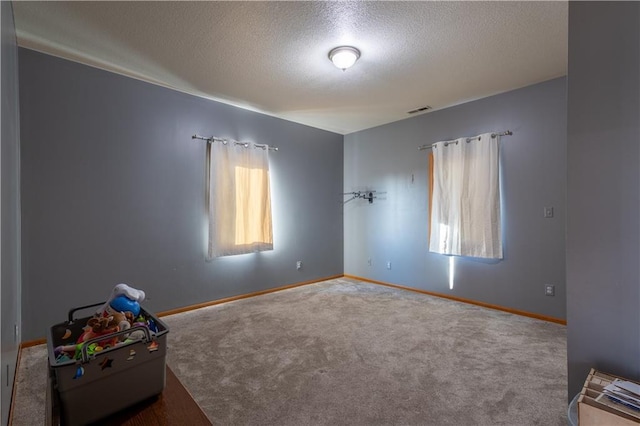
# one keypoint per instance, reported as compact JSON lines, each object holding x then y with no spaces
{"x":347,"y":352}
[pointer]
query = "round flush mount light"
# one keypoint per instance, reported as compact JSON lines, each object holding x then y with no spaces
{"x":344,"y":56}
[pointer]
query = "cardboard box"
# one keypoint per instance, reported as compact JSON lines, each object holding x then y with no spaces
{"x":594,"y":410}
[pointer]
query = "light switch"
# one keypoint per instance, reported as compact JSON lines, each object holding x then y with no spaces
{"x":548,"y":212}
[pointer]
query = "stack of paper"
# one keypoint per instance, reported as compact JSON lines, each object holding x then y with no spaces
{"x":625,"y":395}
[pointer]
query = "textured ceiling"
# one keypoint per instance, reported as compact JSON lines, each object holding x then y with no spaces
{"x":272,"y":56}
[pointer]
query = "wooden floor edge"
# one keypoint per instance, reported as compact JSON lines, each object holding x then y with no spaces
{"x":41,"y":341}
{"x":464,"y":300}
{"x":34,"y":342}
{"x":13,"y":387}
{"x":244,"y":296}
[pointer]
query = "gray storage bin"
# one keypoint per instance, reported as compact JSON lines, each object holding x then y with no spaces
{"x":101,"y":384}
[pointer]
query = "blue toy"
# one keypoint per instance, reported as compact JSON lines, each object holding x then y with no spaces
{"x":124,"y":304}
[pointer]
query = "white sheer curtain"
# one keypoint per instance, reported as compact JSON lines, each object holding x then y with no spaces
{"x":465,"y":210}
{"x":239,"y":199}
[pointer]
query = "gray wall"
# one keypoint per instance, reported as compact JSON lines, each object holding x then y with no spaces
{"x":395,"y":228}
{"x":113,"y":191}
{"x":10,"y":207}
{"x":603,"y":232}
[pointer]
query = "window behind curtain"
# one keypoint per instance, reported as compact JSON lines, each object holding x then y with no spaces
{"x":239,"y":200}
{"x":253,"y":221}
{"x":465,"y":202}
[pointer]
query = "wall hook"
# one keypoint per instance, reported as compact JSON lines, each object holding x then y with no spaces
{"x":365,"y":195}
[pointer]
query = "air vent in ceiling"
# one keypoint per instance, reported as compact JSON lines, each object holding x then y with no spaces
{"x":421,"y":109}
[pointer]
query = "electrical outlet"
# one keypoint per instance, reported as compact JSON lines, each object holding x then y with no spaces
{"x":548,"y":212}
{"x":15,"y":332}
{"x":388,"y":265}
{"x":299,"y":265}
{"x":369,"y":261}
{"x":549,"y":290}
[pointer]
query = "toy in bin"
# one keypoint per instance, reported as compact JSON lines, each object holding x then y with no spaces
{"x":119,"y":351}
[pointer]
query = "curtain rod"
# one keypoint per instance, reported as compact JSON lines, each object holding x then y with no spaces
{"x":493,"y":135}
{"x":212,"y":139}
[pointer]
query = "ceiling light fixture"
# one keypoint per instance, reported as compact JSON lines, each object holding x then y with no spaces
{"x":344,"y":56}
